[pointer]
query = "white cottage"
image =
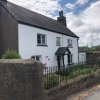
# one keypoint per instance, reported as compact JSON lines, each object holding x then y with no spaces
{"x":36,"y":36}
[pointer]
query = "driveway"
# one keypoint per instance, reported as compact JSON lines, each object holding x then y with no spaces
{"x":90,"y":94}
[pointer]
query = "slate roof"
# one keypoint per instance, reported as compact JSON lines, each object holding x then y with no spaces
{"x":62,"y":51}
{"x":32,"y":18}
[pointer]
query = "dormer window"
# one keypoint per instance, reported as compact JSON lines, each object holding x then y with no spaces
{"x":69,"y":43}
{"x":41,"y":39}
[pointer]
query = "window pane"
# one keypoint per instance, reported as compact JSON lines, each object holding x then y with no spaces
{"x":58,"y":41}
{"x":38,"y":39}
{"x":39,"y":36}
{"x":71,"y":59}
{"x":33,"y":57}
{"x":69,"y":42}
{"x":37,"y":58}
{"x":43,"y":39}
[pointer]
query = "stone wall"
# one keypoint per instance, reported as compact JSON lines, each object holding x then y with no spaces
{"x":92,"y":57}
{"x":21,"y":80}
{"x":77,"y":85}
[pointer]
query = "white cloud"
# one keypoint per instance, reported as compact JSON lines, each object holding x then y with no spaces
{"x":45,"y":7}
{"x":70,"y":6}
{"x":81,"y":2}
{"x":86,"y":24}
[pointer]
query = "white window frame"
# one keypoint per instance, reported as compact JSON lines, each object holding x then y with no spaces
{"x":35,"y":57}
{"x":58,"y":41}
{"x":70,"y":43}
{"x":41,"y":39}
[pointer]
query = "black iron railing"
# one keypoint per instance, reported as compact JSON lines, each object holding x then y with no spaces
{"x":56,"y":77}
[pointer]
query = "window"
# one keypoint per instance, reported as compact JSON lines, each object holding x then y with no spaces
{"x":69,"y":43}
{"x":71,"y":59}
{"x":38,"y":58}
{"x":58,"y":41}
{"x":41,"y":39}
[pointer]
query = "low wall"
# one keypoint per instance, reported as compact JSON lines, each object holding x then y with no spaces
{"x":73,"y":87}
{"x":93,"y":57}
{"x":21,"y":80}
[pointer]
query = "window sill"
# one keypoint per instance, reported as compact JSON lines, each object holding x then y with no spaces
{"x":70,"y":46}
{"x":43,"y":45}
{"x":58,"y":45}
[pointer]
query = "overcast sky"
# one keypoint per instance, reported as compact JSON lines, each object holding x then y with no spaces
{"x":83,"y":16}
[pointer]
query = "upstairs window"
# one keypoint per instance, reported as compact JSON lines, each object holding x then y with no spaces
{"x":58,"y":41}
{"x":69,"y":43}
{"x":41,"y":39}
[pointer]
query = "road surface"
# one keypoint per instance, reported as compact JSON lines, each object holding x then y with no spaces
{"x":91,"y":94}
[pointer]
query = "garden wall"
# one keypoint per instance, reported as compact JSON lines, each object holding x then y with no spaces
{"x":75,"y":86}
{"x":93,"y":57}
{"x":21,"y":80}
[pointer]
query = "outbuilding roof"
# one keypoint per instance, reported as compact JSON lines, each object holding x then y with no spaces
{"x":27,"y":17}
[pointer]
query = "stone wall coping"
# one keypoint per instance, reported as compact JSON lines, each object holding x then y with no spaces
{"x":19,"y":61}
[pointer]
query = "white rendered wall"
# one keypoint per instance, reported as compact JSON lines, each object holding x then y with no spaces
{"x":27,"y":36}
{"x":82,"y":57}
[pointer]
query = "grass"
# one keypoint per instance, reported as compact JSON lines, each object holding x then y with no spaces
{"x":75,"y":71}
{"x":80,"y":70}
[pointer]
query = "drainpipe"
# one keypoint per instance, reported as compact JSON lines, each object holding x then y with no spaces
{"x":78,"y":49}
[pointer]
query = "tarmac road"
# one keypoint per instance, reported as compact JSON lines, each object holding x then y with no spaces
{"x":90,"y":94}
{"x":93,"y":96}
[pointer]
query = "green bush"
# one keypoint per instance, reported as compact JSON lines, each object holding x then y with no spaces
{"x":75,"y":71}
{"x":11,"y":54}
{"x":64,"y":72}
{"x":51,"y":81}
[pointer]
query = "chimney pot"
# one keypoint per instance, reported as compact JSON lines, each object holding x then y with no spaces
{"x":61,"y":19}
{"x":61,"y":13}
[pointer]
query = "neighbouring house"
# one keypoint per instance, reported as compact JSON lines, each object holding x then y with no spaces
{"x":36,"y":36}
{"x":82,"y":56}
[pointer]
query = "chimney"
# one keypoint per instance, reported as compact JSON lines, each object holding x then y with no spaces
{"x":5,"y":1}
{"x":61,"y":19}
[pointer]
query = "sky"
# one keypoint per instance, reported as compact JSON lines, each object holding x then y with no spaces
{"x":83,"y":16}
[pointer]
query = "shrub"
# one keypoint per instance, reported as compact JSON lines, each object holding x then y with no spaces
{"x":63,"y":72}
{"x":11,"y":54}
{"x":75,"y":71}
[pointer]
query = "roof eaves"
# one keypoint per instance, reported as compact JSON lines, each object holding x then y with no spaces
{"x":28,"y":24}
